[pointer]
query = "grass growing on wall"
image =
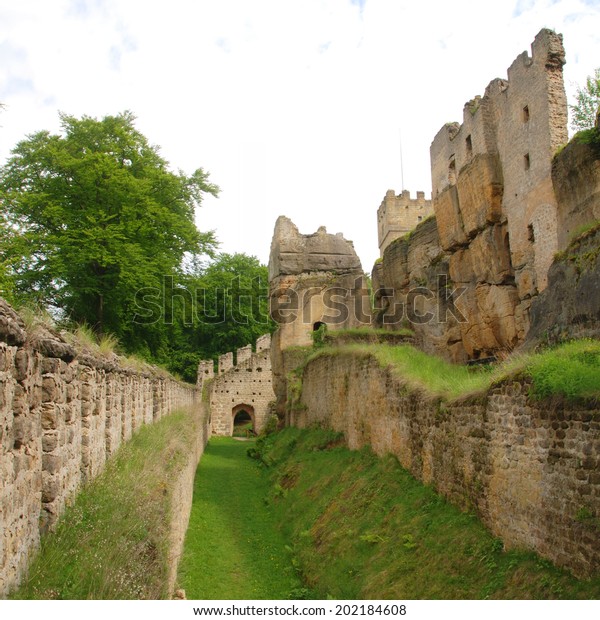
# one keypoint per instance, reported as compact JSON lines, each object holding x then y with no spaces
{"x":570,"y":370}
{"x":113,"y":542}
{"x":362,"y":527}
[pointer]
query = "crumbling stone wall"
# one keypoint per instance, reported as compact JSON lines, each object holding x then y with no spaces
{"x":528,"y":468}
{"x":576,"y":182}
{"x":247,"y":385}
{"x":62,"y":414}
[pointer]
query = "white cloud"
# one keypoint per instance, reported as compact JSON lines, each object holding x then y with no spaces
{"x":294,"y":107}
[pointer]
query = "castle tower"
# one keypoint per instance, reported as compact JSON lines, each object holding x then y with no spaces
{"x":398,"y":215}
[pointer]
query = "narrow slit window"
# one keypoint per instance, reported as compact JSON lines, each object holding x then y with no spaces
{"x":525,"y":114}
{"x":526,"y":161}
{"x":469,"y":144}
{"x":452,"y":171}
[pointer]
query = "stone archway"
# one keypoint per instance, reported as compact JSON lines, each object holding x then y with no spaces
{"x":242,"y":413}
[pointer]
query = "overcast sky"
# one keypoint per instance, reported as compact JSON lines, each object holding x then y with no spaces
{"x":295,"y":107}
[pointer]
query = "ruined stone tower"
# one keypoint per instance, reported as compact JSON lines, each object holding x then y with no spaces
{"x":398,"y":215}
{"x":314,"y":279}
{"x":495,"y":231}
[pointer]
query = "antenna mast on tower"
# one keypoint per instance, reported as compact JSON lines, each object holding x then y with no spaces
{"x":401,"y":161}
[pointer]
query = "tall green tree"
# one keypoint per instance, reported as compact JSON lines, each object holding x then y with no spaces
{"x":94,"y":215}
{"x":220,"y":307}
{"x":588,"y":102}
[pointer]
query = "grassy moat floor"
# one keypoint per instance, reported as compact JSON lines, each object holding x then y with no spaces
{"x":233,"y":548}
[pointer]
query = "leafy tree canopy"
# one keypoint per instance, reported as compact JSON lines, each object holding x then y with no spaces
{"x":93,"y":215}
{"x":588,"y":101}
{"x":221,"y":307}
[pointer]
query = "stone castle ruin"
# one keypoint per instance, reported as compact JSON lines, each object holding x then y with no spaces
{"x":497,"y":214}
{"x":241,"y":390}
{"x":314,"y":279}
{"x":398,"y":215}
{"x":495,"y":269}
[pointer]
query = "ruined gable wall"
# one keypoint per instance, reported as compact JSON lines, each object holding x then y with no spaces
{"x":528,"y":468}
{"x":62,"y":414}
{"x":496,"y":166}
{"x":249,"y":382}
{"x":495,"y":207}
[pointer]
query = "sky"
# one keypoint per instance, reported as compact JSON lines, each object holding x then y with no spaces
{"x":306,"y":108}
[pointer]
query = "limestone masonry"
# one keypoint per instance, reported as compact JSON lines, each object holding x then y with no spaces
{"x":398,"y":215}
{"x":63,"y":412}
{"x":246,"y":386}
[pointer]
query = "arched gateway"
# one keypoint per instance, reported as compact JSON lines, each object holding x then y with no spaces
{"x":243,"y":391}
{"x":243,"y":417}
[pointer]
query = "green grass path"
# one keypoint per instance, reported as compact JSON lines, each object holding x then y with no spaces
{"x":233,"y":548}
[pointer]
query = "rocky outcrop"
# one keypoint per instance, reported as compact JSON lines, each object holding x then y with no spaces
{"x":293,"y":253}
{"x":576,"y":182}
{"x":570,"y":306}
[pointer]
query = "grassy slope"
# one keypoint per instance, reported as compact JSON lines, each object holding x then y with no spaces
{"x":113,"y":542}
{"x":571,"y":370}
{"x":362,"y":527}
{"x":233,"y":548}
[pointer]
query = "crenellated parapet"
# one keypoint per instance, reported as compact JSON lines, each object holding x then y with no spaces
{"x":399,"y":214}
{"x":242,"y":387}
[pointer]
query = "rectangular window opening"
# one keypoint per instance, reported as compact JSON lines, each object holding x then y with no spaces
{"x":525,"y":113}
{"x":527,"y":162}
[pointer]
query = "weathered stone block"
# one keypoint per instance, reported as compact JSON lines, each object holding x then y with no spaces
{"x":480,"y":190}
{"x":49,"y":442}
{"x":49,"y":416}
{"x":449,"y":220}
{"x":51,"y":463}
{"x":50,"y":389}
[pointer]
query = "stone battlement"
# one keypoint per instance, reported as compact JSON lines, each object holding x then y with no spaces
{"x":399,"y":214}
{"x":245,"y":386}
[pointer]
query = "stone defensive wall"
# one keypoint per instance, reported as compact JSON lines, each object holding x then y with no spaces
{"x":528,"y":468}
{"x":63,"y":412}
{"x":245,"y":386}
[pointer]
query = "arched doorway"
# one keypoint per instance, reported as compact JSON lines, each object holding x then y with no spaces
{"x":243,"y":421}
